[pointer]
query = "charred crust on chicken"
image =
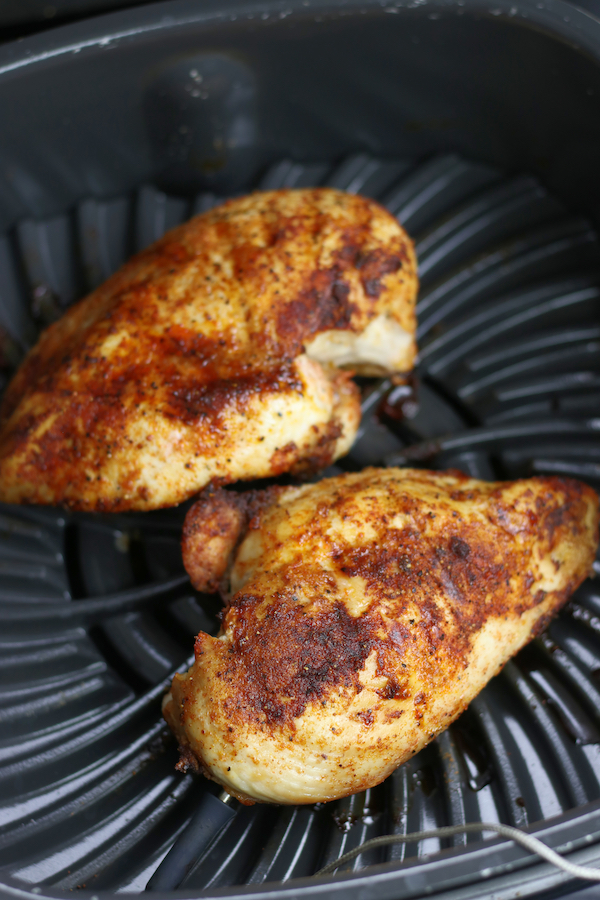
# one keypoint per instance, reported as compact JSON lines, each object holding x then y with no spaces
{"x":210,"y":351}
{"x":367,"y":610}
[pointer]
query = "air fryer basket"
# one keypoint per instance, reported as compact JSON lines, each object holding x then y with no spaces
{"x":478,"y":126}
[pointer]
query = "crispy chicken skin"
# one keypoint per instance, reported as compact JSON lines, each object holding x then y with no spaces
{"x":214,"y":355}
{"x":368,"y":610}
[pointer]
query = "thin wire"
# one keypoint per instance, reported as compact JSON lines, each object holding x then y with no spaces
{"x":515,"y":834}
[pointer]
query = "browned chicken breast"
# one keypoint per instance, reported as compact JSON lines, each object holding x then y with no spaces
{"x":368,"y":611}
{"x":215,"y":355}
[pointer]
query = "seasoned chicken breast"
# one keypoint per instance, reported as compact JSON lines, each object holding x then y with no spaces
{"x":367,"y":612}
{"x":216,"y":354}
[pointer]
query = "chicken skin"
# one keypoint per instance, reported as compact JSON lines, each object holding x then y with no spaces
{"x":367,"y":612}
{"x":217,"y":354}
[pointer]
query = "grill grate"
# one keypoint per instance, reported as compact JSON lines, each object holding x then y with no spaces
{"x":96,"y":612}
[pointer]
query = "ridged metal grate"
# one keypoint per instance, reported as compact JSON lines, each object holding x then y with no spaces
{"x":96,"y":612}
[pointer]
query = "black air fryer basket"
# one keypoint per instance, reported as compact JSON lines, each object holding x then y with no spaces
{"x":478,"y":124}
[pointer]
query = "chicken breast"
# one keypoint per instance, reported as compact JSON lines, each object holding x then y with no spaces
{"x":215,"y":355}
{"x":367,"y":612}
